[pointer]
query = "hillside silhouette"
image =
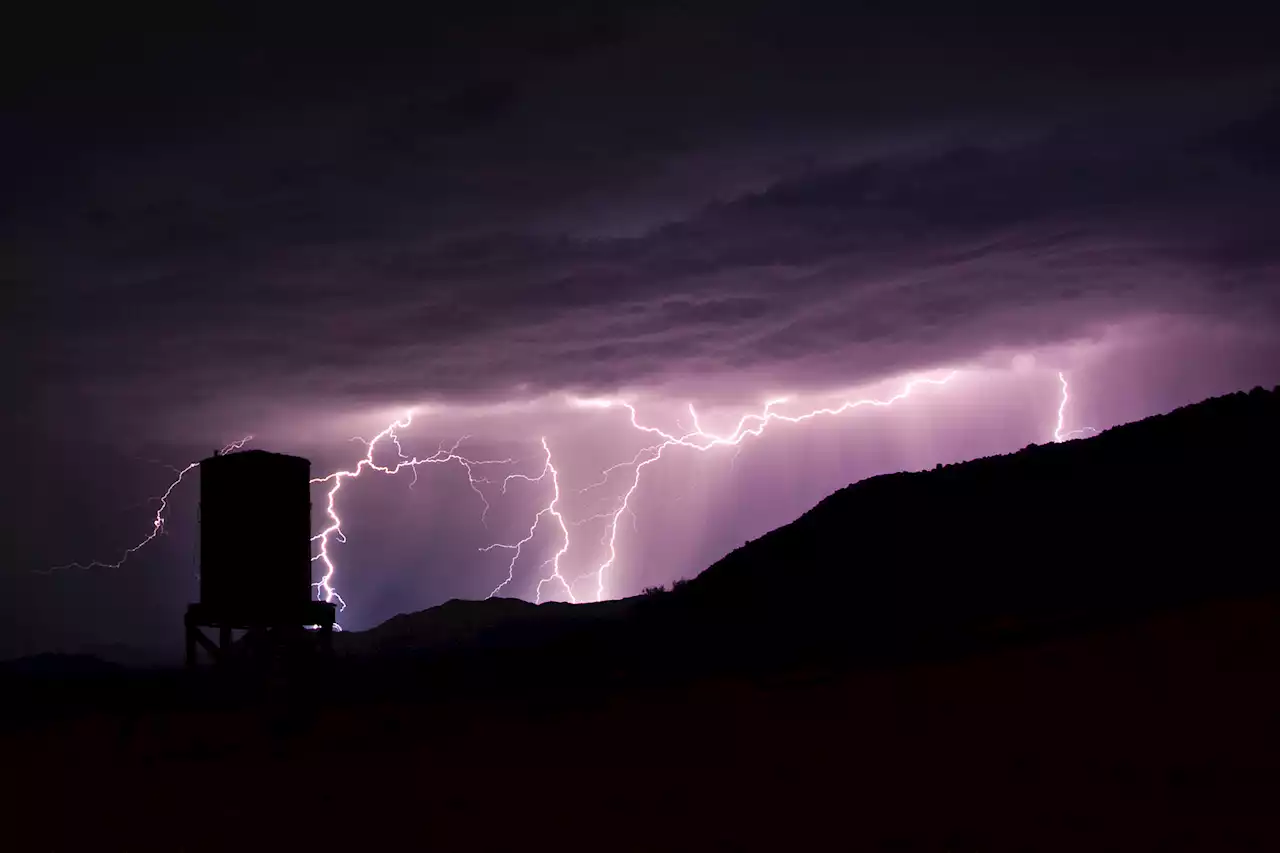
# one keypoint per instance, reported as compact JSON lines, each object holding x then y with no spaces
{"x":1149,"y":514}
{"x":460,"y":623}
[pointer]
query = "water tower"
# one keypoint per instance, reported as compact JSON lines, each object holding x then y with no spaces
{"x":255,"y":558}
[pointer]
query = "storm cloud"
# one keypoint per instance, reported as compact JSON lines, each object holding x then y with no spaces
{"x":843,"y":273}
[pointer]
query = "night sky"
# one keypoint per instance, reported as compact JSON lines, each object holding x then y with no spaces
{"x":217,"y":221}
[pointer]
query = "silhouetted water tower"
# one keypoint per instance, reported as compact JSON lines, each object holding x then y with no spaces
{"x":255,"y":556}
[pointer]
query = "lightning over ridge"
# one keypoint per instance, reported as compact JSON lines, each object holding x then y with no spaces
{"x":385,"y":453}
{"x":1060,"y":434}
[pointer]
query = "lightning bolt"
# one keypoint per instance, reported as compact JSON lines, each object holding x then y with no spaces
{"x":1058,"y":434}
{"x":623,"y":506}
{"x":391,"y":434}
{"x":157,"y":523}
{"x":552,"y":510}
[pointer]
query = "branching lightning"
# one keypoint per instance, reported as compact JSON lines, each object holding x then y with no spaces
{"x":694,"y":437}
{"x":749,"y":425}
{"x":157,"y":523}
{"x":1058,"y":434}
{"x":324,"y":587}
{"x":551,"y":509}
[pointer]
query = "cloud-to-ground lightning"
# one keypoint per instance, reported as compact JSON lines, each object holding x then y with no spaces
{"x":551,"y":509}
{"x":157,"y":523}
{"x":1059,"y":434}
{"x":391,"y":433}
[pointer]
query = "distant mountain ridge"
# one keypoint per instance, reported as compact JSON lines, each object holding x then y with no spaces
{"x":58,"y":665}
{"x":462,"y":622}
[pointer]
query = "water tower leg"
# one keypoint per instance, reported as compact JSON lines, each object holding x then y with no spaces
{"x":326,"y":640}
{"x":224,"y":642}
{"x":191,"y":645}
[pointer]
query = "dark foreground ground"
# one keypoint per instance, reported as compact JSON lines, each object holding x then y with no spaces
{"x":1160,"y":734}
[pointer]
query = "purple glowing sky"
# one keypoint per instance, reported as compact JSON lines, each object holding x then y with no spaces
{"x":232,"y":234}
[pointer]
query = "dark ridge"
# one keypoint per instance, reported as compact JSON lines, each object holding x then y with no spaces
{"x":1146,"y":515}
{"x":55,"y":665}
{"x":494,"y":623}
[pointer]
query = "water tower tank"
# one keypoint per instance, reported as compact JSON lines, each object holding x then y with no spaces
{"x":255,"y":534}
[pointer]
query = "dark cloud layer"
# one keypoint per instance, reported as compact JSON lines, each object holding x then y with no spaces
{"x":887,"y":263}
